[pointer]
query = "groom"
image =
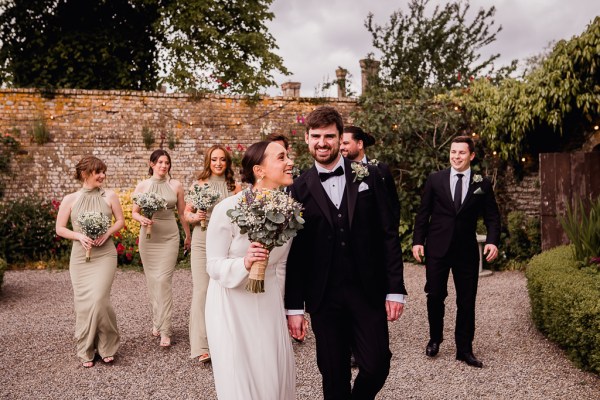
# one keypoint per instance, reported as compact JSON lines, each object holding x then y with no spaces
{"x":345,"y":267}
{"x":445,"y":232}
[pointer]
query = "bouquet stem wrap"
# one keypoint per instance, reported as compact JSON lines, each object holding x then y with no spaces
{"x":203,"y":224}
{"x":88,"y":255}
{"x":256,"y":280}
{"x":270,"y":217}
{"x":149,"y":231}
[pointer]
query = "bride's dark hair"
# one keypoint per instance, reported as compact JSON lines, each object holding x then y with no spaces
{"x":255,"y":154}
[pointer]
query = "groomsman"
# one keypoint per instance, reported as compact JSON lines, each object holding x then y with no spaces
{"x":445,"y":233}
{"x":345,"y":267}
{"x":354,"y":143}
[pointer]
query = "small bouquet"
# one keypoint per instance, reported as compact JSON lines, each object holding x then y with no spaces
{"x":149,"y":203}
{"x":93,"y":224}
{"x":270,"y":217}
{"x":202,"y":198}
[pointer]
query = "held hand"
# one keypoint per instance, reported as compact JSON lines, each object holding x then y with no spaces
{"x":297,"y":326}
{"x":85,"y":241}
{"x":491,"y":251}
{"x":101,"y":240}
{"x":393,"y":309}
{"x":187,"y":243}
{"x":145,"y":221}
{"x":256,"y":252}
{"x":418,"y":251}
{"x":201,"y":215}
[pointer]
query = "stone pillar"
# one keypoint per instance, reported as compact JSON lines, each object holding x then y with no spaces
{"x":368,"y":68}
{"x":340,"y":74}
{"x":291,"y":89}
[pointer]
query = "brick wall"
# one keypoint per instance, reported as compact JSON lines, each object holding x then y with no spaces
{"x":108,"y":124}
{"x":519,"y":195}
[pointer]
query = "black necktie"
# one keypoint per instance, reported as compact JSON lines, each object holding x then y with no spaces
{"x":323,"y":176}
{"x":458,"y":191}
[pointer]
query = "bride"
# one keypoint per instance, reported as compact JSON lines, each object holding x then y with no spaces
{"x":251,"y":352}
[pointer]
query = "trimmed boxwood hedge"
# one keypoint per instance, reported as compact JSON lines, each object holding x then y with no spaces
{"x":565,"y":305}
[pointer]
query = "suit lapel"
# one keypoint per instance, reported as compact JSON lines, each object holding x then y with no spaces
{"x":446,"y":184}
{"x":472,"y":187}
{"x":314,"y":186}
{"x":351,"y":189}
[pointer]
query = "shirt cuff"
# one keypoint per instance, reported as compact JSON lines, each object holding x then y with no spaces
{"x":400,"y":298}
{"x":294,"y":312}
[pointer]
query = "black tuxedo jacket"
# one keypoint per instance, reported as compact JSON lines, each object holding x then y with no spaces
{"x":390,"y":186}
{"x":375,"y":244}
{"x":438,"y":224}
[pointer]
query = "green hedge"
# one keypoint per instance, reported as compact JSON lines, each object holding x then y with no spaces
{"x":565,"y":304}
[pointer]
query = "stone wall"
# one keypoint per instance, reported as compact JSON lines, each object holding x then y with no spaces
{"x":109,"y":124}
{"x":519,"y":195}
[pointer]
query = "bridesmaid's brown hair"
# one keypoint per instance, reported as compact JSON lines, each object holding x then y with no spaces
{"x":87,"y":165}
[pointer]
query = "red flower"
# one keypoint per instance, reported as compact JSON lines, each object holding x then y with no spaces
{"x":240,"y":147}
{"x":293,"y":132}
{"x":137,"y":240}
{"x":120,"y":248}
{"x":129,"y":256}
{"x":117,"y":235}
{"x":228,"y":148}
{"x":55,"y":204}
{"x":459,"y":76}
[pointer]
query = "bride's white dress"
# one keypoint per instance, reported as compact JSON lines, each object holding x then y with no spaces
{"x":251,"y":352}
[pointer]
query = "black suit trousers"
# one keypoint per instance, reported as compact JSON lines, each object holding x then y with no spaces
{"x":347,"y":321}
{"x":465,"y":273}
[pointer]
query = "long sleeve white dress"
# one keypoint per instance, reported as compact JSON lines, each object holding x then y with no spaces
{"x":251,"y":351}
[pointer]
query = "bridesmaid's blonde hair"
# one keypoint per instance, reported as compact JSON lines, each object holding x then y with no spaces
{"x":206,"y":171}
{"x":89,"y":164}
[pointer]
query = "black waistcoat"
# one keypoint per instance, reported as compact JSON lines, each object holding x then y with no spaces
{"x":343,"y":268}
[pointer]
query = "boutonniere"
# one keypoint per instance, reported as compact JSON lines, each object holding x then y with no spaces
{"x":360,"y":170}
{"x":477,"y":178}
{"x":373,"y":162}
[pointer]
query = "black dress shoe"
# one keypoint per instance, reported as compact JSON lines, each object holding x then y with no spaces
{"x":432,"y":349}
{"x":470,"y":359}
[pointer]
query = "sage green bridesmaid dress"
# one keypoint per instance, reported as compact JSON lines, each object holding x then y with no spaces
{"x":159,"y":256}
{"x":198,"y":340}
{"x":95,"y":319}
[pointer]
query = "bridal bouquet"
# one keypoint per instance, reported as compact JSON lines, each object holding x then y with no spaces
{"x":149,"y":203}
{"x":270,"y":217}
{"x":93,"y":225}
{"x":202,"y":198}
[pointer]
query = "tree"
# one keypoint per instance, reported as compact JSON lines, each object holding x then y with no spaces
{"x":407,"y":108}
{"x":440,"y":50}
{"x":212,"y":45}
{"x":555,"y":104}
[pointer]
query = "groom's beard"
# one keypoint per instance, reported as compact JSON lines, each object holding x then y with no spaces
{"x":325,"y":159}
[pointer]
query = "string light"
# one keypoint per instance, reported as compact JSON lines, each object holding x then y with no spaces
{"x":495,"y":152}
{"x":523,"y":159}
{"x":596,"y":127}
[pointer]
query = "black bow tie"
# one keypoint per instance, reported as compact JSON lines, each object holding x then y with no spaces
{"x":323,"y":176}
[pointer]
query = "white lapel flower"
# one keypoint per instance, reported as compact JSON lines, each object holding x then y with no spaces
{"x":477,"y":178}
{"x":360,"y":170}
{"x":373,"y":162}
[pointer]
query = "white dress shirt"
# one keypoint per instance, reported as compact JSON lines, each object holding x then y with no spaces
{"x":465,"y":182}
{"x":335,"y":185}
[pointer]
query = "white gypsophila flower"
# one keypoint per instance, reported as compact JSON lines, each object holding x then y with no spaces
{"x":202,"y":197}
{"x":93,"y":224}
{"x":360,"y":170}
{"x":149,"y":203}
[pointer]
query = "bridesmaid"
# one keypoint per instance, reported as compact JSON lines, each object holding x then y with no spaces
{"x":95,"y":321}
{"x":218,"y":174}
{"x":159,"y":253}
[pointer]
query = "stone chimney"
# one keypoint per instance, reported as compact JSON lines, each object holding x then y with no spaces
{"x":368,"y":68}
{"x":340,"y":74}
{"x":291,"y":89}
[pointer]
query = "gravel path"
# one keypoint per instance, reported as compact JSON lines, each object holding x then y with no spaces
{"x":37,"y":353}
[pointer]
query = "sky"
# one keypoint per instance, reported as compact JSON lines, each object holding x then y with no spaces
{"x":317,"y":36}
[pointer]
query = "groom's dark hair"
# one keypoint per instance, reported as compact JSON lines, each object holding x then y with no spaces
{"x":467,"y":140}
{"x":324,"y":116}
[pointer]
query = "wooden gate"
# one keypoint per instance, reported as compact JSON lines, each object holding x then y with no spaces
{"x":565,"y":178}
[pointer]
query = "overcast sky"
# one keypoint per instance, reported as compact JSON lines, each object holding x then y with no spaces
{"x":317,"y":36}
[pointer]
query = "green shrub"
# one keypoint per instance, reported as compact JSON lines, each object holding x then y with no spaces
{"x":3,"y":266}
{"x":565,"y":305}
{"x":583,"y":230}
{"x":148,"y":137}
{"x":39,"y":132}
{"x":27,"y":231}
{"x":521,"y":241}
